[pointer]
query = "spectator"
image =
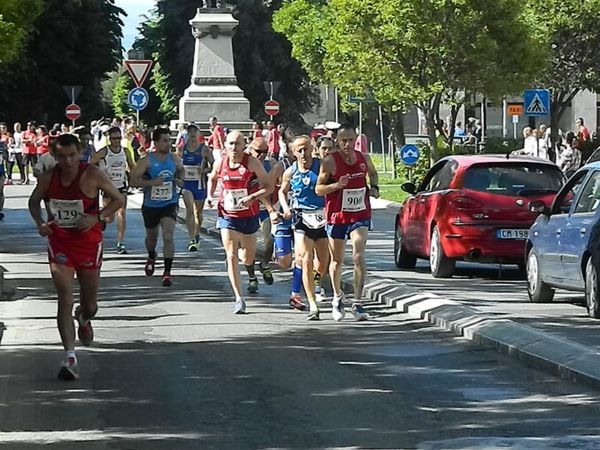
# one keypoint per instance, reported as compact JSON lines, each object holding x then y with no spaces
{"x":216,"y":141}
{"x":257,"y":128}
{"x":42,"y":141}
{"x":570,"y":157}
{"x":362,"y":143}
{"x":15,"y":154}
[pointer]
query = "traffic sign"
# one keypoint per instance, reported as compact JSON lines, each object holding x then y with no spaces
{"x":272,"y":107}
{"x":409,"y":154}
{"x":73,"y":111}
{"x":138,"y":69}
{"x":138,"y":98}
{"x":515,"y":109}
{"x":537,"y":102}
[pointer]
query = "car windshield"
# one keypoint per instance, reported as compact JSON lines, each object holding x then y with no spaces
{"x":514,"y":179}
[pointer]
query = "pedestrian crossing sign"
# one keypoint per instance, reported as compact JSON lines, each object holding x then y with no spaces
{"x":537,"y":102}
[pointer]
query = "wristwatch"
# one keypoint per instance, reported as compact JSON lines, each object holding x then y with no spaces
{"x":101,"y":220}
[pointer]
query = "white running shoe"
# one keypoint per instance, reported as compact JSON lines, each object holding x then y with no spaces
{"x":69,"y":370}
{"x":359,"y":312}
{"x":239,"y":307}
{"x":337,"y":308}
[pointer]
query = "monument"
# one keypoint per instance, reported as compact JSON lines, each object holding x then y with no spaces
{"x":213,"y":90}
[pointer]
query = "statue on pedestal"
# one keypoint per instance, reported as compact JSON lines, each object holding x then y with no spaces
{"x":212,"y":4}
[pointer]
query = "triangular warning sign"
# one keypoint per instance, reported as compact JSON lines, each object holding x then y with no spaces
{"x":138,"y":69}
{"x":536,"y":106}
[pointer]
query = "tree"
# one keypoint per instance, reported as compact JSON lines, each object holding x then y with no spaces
{"x":16,"y":20}
{"x":421,"y":52}
{"x":73,"y":42}
{"x":570,"y":31}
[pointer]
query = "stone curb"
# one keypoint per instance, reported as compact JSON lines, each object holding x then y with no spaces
{"x":561,"y":357}
{"x":568,"y":360}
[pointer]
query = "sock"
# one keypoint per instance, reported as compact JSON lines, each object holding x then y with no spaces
{"x":313,"y":304}
{"x":71,"y":354}
{"x":168,"y":265}
{"x":151,"y":254}
{"x":296,"y":280}
{"x":197,"y":238}
{"x":250,"y":270}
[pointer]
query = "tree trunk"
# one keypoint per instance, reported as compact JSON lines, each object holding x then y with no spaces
{"x":397,"y":122}
{"x":433,"y":148}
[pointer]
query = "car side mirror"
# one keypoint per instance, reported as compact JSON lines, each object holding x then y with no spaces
{"x":409,"y":187}
{"x":537,"y":207}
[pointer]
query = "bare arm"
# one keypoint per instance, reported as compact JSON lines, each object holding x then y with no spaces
{"x":212,"y":181}
{"x":263,"y":178}
{"x":130,"y":161}
{"x":138,"y":172}
{"x":39,"y":194}
{"x":327,"y":170}
{"x":179,"y":170}
{"x":373,"y":177}
{"x":98,"y":156}
{"x":283,"y":190}
{"x":109,"y":190}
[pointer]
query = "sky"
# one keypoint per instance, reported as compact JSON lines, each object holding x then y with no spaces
{"x":134,"y":9}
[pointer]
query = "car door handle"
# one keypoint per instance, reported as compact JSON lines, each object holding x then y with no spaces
{"x":582,"y":230}
{"x":421,"y":200}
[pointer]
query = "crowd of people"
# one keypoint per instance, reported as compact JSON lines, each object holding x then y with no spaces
{"x":307,"y":195}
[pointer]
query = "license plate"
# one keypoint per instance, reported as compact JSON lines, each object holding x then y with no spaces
{"x":507,"y":233}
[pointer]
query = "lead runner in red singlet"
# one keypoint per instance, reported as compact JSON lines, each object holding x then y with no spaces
{"x":343,"y":182}
{"x":74,"y":231}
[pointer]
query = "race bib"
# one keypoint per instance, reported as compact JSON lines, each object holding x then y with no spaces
{"x":162,"y":192}
{"x":191,"y":173}
{"x":116,"y":174}
{"x":353,"y":200}
{"x":66,"y":213}
{"x":314,"y":219}
{"x":232,"y":197}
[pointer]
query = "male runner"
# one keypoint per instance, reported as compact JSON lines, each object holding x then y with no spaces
{"x":197,"y":163}
{"x":343,"y":182}
{"x":307,"y":208}
{"x":159,"y":173}
{"x":245,"y":181}
{"x":74,"y":235}
{"x":115,"y":161}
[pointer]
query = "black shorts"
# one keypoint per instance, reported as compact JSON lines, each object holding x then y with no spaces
{"x":311,"y":233}
{"x":30,"y":158}
{"x":153,"y":216}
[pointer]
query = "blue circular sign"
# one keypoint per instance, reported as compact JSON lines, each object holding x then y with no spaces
{"x":409,"y":154}
{"x":138,"y":98}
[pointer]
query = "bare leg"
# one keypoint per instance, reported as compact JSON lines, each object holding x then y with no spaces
{"x":168,"y":230}
{"x":358,"y":238}
{"x":230,"y":239}
{"x":337,"y":249}
{"x":188,"y":200}
{"x":122,"y":220}
{"x":62,"y":276}
{"x":88,"y":292}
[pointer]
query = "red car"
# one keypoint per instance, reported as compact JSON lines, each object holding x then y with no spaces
{"x":472,"y":208}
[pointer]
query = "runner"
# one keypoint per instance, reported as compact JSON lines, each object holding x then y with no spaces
{"x":197,"y":162}
{"x":74,"y":235}
{"x":325,"y":146}
{"x":310,"y":237}
{"x":244,"y":182}
{"x":115,"y":161}
{"x":159,"y":173}
{"x":29,"y":150}
{"x":343,"y":182}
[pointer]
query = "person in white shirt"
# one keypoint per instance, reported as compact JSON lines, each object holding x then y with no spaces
{"x":15,"y":154}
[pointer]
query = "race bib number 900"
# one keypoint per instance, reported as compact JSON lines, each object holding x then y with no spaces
{"x":232,"y":197}
{"x":66,"y":213}
{"x":353,"y":200}
{"x":162,"y":192}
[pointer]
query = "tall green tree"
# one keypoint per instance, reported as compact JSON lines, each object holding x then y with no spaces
{"x":571,"y":33}
{"x":422,"y":52}
{"x":16,"y":20}
{"x":73,"y":42}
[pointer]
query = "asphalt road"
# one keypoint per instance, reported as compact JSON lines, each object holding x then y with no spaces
{"x":172,"y":368}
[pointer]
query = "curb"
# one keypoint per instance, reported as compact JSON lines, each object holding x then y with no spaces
{"x":561,"y":357}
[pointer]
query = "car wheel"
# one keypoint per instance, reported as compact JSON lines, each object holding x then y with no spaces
{"x":441,"y":265}
{"x":538,"y":291}
{"x":591,"y":290}
{"x":402,"y":258}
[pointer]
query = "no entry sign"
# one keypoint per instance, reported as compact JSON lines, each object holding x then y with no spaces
{"x":73,"y":111}
{"x":272,"y":107}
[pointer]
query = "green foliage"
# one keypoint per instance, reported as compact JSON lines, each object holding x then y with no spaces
{"x":120,"y":91}
{"x":418,"y":171}
{"x":498,"y":145}
{"x":73,"y":42}
{"x":160,"y":85}
{"x":16,"y":20}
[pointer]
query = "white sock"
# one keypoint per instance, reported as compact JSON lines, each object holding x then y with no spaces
{"x":71,"y":354}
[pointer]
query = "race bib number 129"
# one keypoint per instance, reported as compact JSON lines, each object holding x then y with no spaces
{"x":66,"y":213}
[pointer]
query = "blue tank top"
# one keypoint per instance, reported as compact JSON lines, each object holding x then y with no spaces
{"x":192,"y":158}
{"x":303,"y":187}
{"x":166,"y":194}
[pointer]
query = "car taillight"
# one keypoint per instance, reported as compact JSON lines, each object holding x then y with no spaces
{"x":464,"y":202}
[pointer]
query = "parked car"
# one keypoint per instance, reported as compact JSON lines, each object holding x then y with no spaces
{"x":563,"y":247}
{"x":472,"y":208}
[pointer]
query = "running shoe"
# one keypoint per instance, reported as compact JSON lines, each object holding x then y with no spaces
{"x":314,"y":314}
{"x":149,"y":267}
{"x":8,"y":182}
{"x":239,"y":307}
{"x":166,"y":281}
{"x":337,"y":311}
{"x":253,"y":286}
{"x":359,"y":312}
{"x":69,"y":371}
{"x":121,"y":249}
{"x":193,"y":247}
{"x":85,"y":332}
{"x":320,"y":295}
{"x":267,"y":275}
{"x":297,"y":303}
{"x":197,"y":238}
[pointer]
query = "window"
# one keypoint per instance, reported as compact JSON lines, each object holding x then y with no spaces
{"x":563,"y":201}
{"x":589,"y":200}
{"x":442,"y":178}
{"x":521,"y":179}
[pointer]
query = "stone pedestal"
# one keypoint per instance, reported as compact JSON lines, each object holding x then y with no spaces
{"x":213,"y":90}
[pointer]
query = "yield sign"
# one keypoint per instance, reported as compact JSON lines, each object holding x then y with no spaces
{"x":138,"y":69}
